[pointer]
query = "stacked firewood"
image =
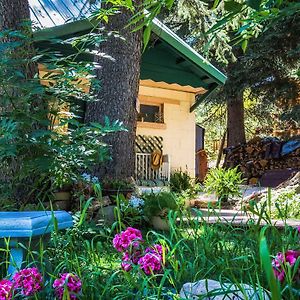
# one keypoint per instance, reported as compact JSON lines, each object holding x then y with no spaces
{"x":260,"y":155}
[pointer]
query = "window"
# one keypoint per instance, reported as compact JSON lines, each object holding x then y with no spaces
{"x":151,"y":113}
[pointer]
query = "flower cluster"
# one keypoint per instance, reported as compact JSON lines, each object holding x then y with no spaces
{"x":6,"y":287}
{"x":136,"y":202}
{"x":130,"y":238}
{"x":89,"y":178}
{"x":282,"y":261}
{"x":150,"y":261}
{"x":69,"y":282}
{"x":28,"y":281}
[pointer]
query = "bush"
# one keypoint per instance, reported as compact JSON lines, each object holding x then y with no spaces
{"x":223,"y":182}
{"x":159,"y":204}
{"x":180,"y":182}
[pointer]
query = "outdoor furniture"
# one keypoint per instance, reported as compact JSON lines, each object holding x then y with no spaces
{"x":16,"y":227}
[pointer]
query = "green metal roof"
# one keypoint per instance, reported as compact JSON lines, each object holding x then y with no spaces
{"x":168,"y":59}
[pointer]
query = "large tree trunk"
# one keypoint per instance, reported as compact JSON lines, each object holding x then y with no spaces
{"x":235,"y":122}
{"x":233,"y":91}
{"x":119,"y":79}
{"x":13,"y":14}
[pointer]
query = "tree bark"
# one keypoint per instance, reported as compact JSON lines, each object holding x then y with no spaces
{"x":119,"y":78}
{"x":235,"y":122}
{"x":13,"y":14}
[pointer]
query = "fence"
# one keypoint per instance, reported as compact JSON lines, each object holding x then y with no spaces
{"x":143,"y":170}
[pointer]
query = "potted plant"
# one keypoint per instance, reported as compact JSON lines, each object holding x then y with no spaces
{"x":157,"y":207}
{"x":70,"y":155}
{"x":224,"y":182}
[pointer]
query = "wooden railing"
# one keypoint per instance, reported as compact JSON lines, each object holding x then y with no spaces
{"x":143,"y":170}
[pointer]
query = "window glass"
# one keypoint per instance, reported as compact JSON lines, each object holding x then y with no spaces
{"x":150,"y":113}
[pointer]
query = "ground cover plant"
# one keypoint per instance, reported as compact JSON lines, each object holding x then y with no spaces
{"x":126,"y":263}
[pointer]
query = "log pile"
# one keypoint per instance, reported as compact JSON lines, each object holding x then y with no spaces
{"x":261,"y":155}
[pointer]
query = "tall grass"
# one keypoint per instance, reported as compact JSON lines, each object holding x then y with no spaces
{"x":195,"y":250}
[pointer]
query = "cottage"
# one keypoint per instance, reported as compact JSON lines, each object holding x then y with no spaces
{"x":174,"y":80}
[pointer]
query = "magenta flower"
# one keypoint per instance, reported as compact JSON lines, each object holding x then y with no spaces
{"x":128,"y":260}
{"x":6,"y":287}
{"x":150,"y":263}
{"x":298,"y":228}
{"x":156,"y":248}
{"x":288,"y":258}
{"x":29,"y":281}
{"x":131,"y":237}
{"x":69,"y":282}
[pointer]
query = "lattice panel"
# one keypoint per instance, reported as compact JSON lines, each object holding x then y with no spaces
{"x":148,"y":143}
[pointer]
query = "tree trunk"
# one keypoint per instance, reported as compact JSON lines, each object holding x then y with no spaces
{"x":235,"y":122}
{"x":119,"y":78}
{"x":13,"y":14}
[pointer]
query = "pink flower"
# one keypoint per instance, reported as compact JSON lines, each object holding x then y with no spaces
{"x":29,"y":281}
{"x":69,"y":282}
{"x":156,"y":248}
{"x":5,"y":289}
{"x":298,"y":228}
{"x":150,"y":263}
{"x":131,"y":237}
{"x":128,"y":260}
{"x":289,"y":258}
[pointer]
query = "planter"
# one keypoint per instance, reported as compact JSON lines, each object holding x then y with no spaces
{"x":159,"y":223}
{"x":61,"y":201}
{"x":62,"y":196}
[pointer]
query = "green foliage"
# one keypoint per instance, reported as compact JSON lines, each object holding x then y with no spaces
{"x":131,"y":210}
{"x":180,"y":182}
{"x":261,"y":13}
{"x":224,"y":182}
{"x":285,"y":206}
{"x":159,"y":204}
{"x":194,"y":250}
{"x":41,"y":133}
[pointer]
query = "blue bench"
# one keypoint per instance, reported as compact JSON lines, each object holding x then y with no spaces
{"x":16,"y":227}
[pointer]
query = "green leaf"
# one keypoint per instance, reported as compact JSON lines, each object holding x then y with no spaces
{"x":255,"y":4}
{"x":146,"y":36}
{"x":233,"y":6}
{"x":216,"y":4}
{"x":169,"y":3}
{"x":244,"y":45}
{"x":221,"y":23}
{"x":267,"y":266}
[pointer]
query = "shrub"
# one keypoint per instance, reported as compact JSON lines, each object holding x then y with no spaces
{"x":223,"y":182}
{"x":159,"y":204}
{"x":180,"y":182}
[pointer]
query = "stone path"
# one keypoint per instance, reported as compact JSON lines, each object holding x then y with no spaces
{"x":239,"y":219}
